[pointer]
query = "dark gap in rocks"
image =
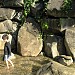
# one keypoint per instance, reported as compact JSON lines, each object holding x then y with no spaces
{"x":3,"y":20}
{"x":13,"y":7}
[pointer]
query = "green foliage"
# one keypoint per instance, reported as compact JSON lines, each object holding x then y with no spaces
{"x":44,"y":25}
{"x":27,"y":5}
{"x":38,"y":17}
{"x":67,"y":5}
{"x":26,"y":11}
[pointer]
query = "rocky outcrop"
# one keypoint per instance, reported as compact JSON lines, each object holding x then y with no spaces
{"x":69,"y":41}
{"x":29,"y":40}
{"x":54,"y":68}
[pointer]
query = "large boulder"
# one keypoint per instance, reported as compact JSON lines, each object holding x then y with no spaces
{"x":54,"y":8}
{"x":54,"y":68}
{"x":29,"y":39}
{"x":6,"y":13}
{"x":69,"y":41}
{"x":53,"y":46}
{"x":7,"y":26}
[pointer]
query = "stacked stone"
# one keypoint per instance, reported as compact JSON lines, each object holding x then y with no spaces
{"x":9,"y":17}
{"x":59,"y":37}
{"x":29,"y":40}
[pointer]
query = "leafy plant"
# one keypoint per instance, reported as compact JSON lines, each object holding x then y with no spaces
{"x":26,"y":11}
{"x":45,"y":25}
{"x":27,"y":4}
{"x":67,"y":5}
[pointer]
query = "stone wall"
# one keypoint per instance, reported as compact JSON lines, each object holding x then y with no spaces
{"x":47,"y":28}
{"x":25,"y":41}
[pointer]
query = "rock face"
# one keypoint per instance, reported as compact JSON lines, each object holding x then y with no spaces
{"x":69,"y":41}
{"x":54,"y":50}
{"x":6,"y":13}
{"x":54,"y":9}
{"x":29,"y":41}
{"x":36,"y":9}
{"x":67,"y":23}
{"x":53,"y":25}
{"x":54,"y":68}
{"x":1,"y":42}
{"x":52,"y":4}
{"x":7,"y":26}
{"x":13,"y":3}
{"x":53,"y":46}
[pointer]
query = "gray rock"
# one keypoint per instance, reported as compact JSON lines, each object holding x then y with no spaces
{"x":29,"y":40}
{"x":55,"y":4}
{"x":6,"y":13}
{"x":65,"y":60}
{"x":7,"y":26}
{"x":54,"y":68}
{"x":35,"y":9}
{"x":54,"y":50}
{"x":54,"y":9}
{"x":67,"y":23}
{"x":53,"y":25}
{"x":53,"y":46}
{"x":69,"y":41}
{"x":13,"y":3}
{"x":58,"y":25}
{"x":18,"y":16}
